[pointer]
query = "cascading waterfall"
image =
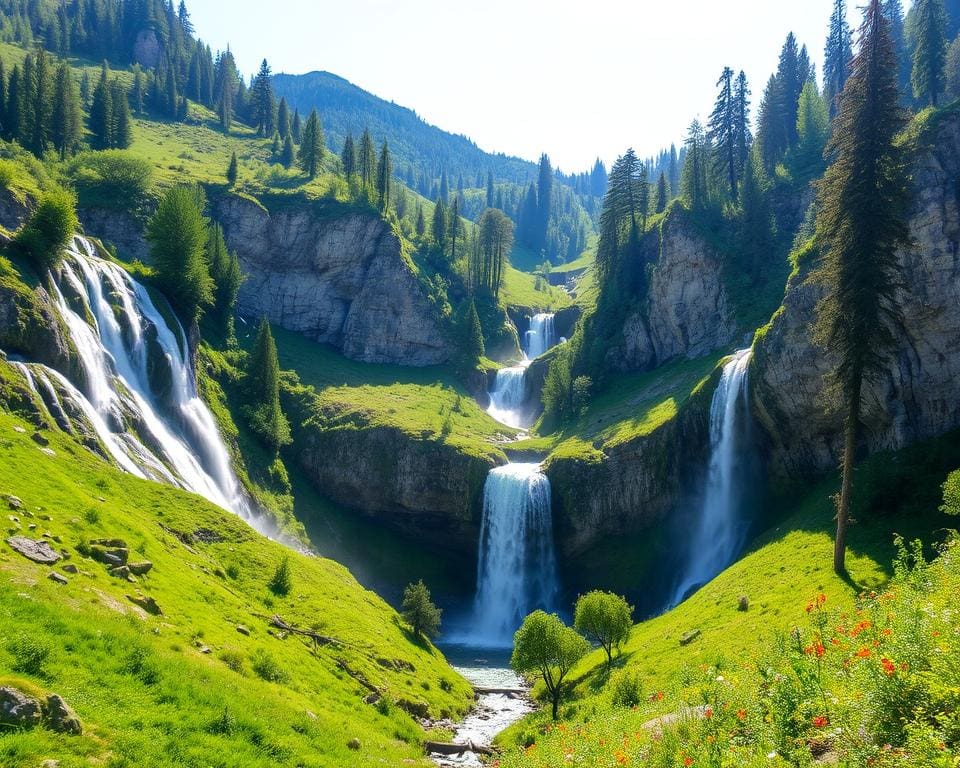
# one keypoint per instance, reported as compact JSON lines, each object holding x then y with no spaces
{"x":517,"y":570}
{"x":509,"y":394}
{"x":138,"y":393}
{"x":540,"y":337}
{"x":719,"y":533}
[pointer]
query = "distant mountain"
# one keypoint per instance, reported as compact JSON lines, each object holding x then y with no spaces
{"x":346,"y":108}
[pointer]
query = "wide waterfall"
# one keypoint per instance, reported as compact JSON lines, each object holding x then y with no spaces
{"x":138,"y":397}
{"x":541,"y":337}
{"x":719,"y":531}
{"x":517,"y":570}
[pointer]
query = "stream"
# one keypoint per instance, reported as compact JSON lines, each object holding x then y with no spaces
{"x":493,"y":713}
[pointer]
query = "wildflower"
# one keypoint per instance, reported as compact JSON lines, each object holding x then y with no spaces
{"x":621,"y":758}
{"x":708,"y":713}
{"x":741,"y":715}
{"x":889,"y":668}
{"x":864,"y":653}
{"x":688,"y":761}
{"x":821,"y":721}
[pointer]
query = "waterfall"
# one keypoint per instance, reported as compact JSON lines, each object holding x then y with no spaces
{"x":540,"y":337}
{"x":517,"y":571}
{"x":138,"y":393}
{"x":719,"y":533}
{"x":508,"y":395}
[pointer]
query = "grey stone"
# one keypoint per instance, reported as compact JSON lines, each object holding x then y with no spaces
{"x":19,"y":710}
{"x":71,"y":568}
{"x":141,"y":568}
{"x":58,"y":577}
{"x":39,"y":439}
{"x":14,"y":502}
{"x":147,"y":603}
{"x":38,"y":551}
{"x":243,"y":630}
{"x":354,"y":744}
{"x":60,"y":716}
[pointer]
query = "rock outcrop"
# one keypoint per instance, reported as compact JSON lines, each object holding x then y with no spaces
{"x":31,"y":327}
{"x":421,"y":487}
{"x":340,"y":280}
{"x":687,"y":312}
{"x":918,"y":395}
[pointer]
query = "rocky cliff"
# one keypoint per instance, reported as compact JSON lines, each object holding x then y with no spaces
{"x":687,"y":312}
{"x":339,"y":280}
{"x":918,"y":395}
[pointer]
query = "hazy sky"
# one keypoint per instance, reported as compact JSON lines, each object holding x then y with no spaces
{"x":573,"y":78}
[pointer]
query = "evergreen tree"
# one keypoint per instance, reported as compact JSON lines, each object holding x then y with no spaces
{"x":813,"y":129}
{"x":225,"y":272}
{"x":893,"y":11}
{"x":674,"y":178}
{"x":121,"y":119}
{"x":4,"y":99}
{"x":444,"y":187}
{"x":928,"y":32}
{"x":102,"y":113}
{"x":439,"y":226}
{"x":349,"y":157}
{"x":455,"y":228}
{"x":420,"y":227}
{"x":722,"y":133}
{"x":177,"y":233}
{"x":226,"y":88}
{"x":472,"y":336}
{"x":491,"y":251}
{"x":384,"y":179}
{"x":283,"y":118}
{"x":266,"y":417}
{"x":65,"y":128}
{"x":232,"y":170}
{"x":756,"y":229}
{"x":14,"y":113}
{"x":618,"y":224}
{"x":289,"y":155}
{"x":419,"y":611}
{"x":138,"y":90}
{"x":489,"y":189}
{"x":296,"y":128}
{"x":741,"y":122}
{"x":860,"y":225}
{"x":693,"y":183}
{"x":312,"y":148}
{"x":643,"y":197}
{"x":544,"y":202}
{"x":837,"y":55}
{"x":951,"y":77}
{"x":662,"y":193}
{"x":367,"y":162}
{"x":42,"y":106}
{"x":85,"y":90}
{"x":263,"y":104}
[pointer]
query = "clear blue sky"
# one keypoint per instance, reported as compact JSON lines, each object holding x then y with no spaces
{"x":575,"y":79}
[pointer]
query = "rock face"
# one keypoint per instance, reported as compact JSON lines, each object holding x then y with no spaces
{"x":19,"y":710}
{"x":687,"y":313}
{"x":421,"y":487}
{"x":918,"y":395}
{"x":30,"y":326}
{"x":343,"y":281}
{"x":116,"y":228}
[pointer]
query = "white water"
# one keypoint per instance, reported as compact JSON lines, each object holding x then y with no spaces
{"x":540,"y":337}
{"x":508,"y":397}
{"x":517,"y":570}
{"x":168,"y":436}
{"x":718,"y":534}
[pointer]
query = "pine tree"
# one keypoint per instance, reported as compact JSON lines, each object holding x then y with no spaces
{"x":454,"y":228}
{"x":283,"y":118}
{"x":289,"y":155}
{"x":893,"y":11}
{"x":42,"y":106}
{"x":419,"y":611}
{"x":384,"y":179}
{"x":312,"y":148}
{"x":860,"y":225}
{"x":444,"y":187}
{"x":232,"y":170}
{"x":544,"y":203}
{"x":741,"y":128}
{"x":643,"y":197}
{"x":472,"y":336}
{"x":662,"y":193}
{"x":263,"y":374}
{"x":756,"y":225}
{"x":121,"y":119}
{"x":264,"y":106}
{"x":349,"y":157}
{"x":813,"y":129}
{"x":951,"y":77}
{"x":693,"y":183}
{"x":722,"y":134}
{"x":420,"y":227}
{"x":837,"y":55}
{"x":138,"y":90}
{"x":439,"y":226}
{"x":226,"y":87}
{"x":4,"y":99}
{"x":928,"y":32}
{"x":102,"y":113}
{"x":13,"y":117}
{"x":296,"y":128}
{"x":489,"y":189}
{"x":65,"y":122}
{"x":226,"y":274}
{"x":367,"y":162}
{"x":85,"y":92}
{"x":620,"y":272}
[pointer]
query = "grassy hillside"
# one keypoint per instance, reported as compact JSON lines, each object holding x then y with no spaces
{"x":189,"y":686}
{"x":724,"y":665}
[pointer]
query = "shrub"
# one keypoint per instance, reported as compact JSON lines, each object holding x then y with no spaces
{"x":30,"y":653}
{"x":626,"y":689}
{"x":419,"y":611}
{"x":112,"y":179}
{"x":266,"y":667}
{"x":234,"y":659}
{"x":49,"y":229}
{"x":282,"y":582}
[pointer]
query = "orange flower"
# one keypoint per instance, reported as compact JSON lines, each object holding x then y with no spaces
{"x":741,"y":715}
{"x":708,"y":713}
{"x":821,"y":721}
{"x":889,"y":668}
{"x":864,"y":653}
{"x":688,"y":761}
{"x":621,"y":757}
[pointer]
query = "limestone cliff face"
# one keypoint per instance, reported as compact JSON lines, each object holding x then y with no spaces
{"x":918,"y":395}
{"x":342,"y":281}
{"x":421,"y":487}
{"x":687,"y":313}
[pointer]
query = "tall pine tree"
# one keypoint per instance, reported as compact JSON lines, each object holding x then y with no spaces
{"x":929,"y":35}
{"x":837,"y":54}
{"x":312,"y":148}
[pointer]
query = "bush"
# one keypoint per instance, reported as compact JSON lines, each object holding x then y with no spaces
{"x":112,"y":179}
{"x":626,"y":689}
{"x":29,"y":653}
{"x":419,"y":611}
{"x":266,"y":667}
{"x":49,"y":229}
{"x":234,"y":659}
{"x":282,"y":582}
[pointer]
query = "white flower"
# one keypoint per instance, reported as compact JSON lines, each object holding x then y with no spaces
{"x":772,"y":755}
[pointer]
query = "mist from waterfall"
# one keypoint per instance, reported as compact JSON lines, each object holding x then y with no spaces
{"x":138,"y":393}
{"x":517,"y":569}
{"x":719,"y":531}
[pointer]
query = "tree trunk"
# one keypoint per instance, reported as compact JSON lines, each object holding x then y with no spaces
{"x":850,"y":432}
{"x":556,"y":702}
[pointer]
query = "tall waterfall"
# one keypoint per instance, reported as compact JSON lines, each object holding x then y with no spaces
{"x":138,"y":394}
{"x":719,"y":533}
{"x":517,"y":570}
{"x":540,"y":337}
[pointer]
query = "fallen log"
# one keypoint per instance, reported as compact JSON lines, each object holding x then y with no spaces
{"x":318,"y":639}
{"x":443,"y":748}
{"x":483,"y":691}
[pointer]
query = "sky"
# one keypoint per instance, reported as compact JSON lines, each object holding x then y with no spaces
{"x":577,"y":79}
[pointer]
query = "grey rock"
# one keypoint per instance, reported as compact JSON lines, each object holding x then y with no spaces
{"x":243,"y":630}
{"x":354,"y":744}
{"x":139,"y":569}
{"x":147,"y":603}
{"x":19,"y":710}
{"x":14,"y":502}
{"x":71,"y":568}
{"x":61,"y":718}
{"x":39,"y":439}
{"x":59,"y":578}
{"x":689,"y":637}
{"x":38,"y":551}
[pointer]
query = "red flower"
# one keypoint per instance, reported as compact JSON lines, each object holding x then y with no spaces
{"x":864,"y":653}
{"x":708,"y":713}
{"x":688,"y":761}
{"x":816,"y":649}
{"x":741,"y":714}
{"x":821,"y":721}
{"x":889,"y":668}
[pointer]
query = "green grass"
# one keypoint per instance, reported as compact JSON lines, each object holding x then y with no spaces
{"x":584,"y":261}
{"x":146,"y":693}
{"x":519,"y":290}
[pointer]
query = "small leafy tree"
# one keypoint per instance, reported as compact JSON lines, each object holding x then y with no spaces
{"x":606,"y":619}
{"x":49,"y":228}
{"x":546,"y":647}
{"x":282,"y":581}
{"x":419,"y":611}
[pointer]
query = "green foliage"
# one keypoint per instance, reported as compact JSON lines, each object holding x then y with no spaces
{"x":419,"y":611}
{"x":263,"y":372}
{"x":312,"y":147}
{"x":112,"y":179}
{"x":928,"y":31}
{"x":267,"y":668}
{"x":951,"y":74}
{"x":491,"y":251}
{"x":225,"y":272}
{"x":951,"y":494}
{"x":282,"y":581}
{"x":471,"y":336}
{"x":604,"y":618}
{"x":626,"y":689}
{"x":806,"y":160}
{"x":177,"y":233}
{"x":581,"y":394}
{"x":232,"y":170}
{"x":49,"y":229}
{"x":545,"y":647}
{"x":29,"y":653}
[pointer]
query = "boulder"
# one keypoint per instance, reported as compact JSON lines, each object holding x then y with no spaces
{"x":38,"y":551}
{"x":147,"y":603}
{"x":141,"y":568}
{"x":59,"y":578}
{"x":19,"y":710}
{"x":60,"y":716}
